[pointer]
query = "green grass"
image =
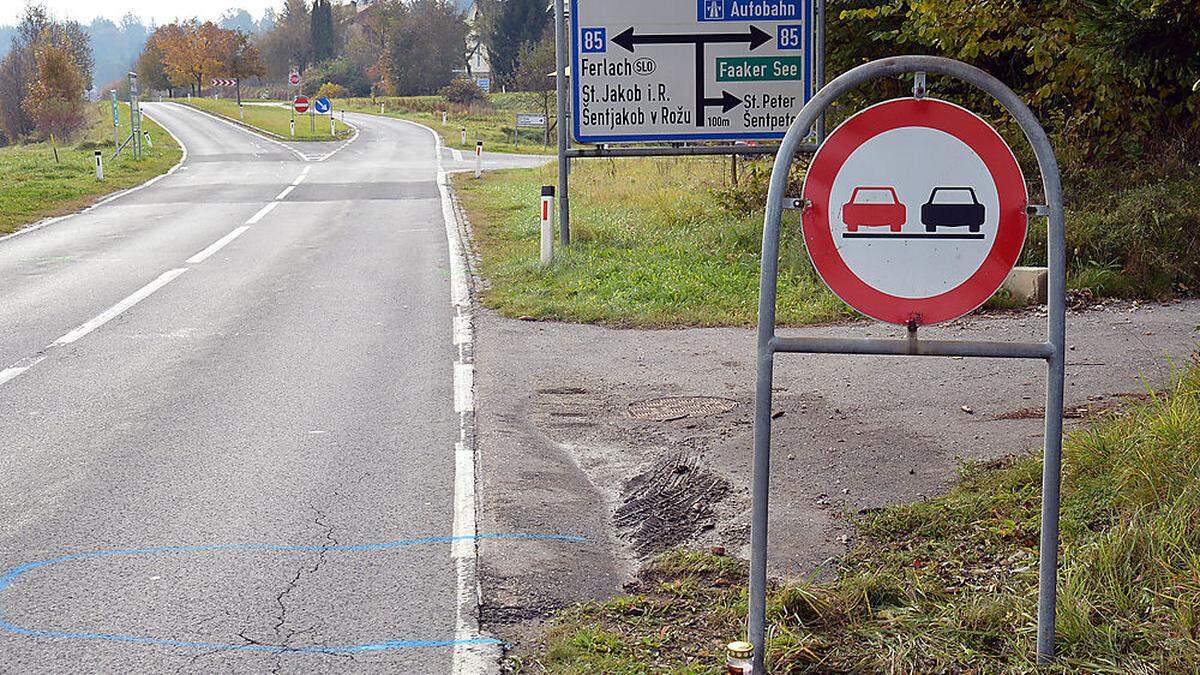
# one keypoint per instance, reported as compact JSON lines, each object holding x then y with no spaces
{"x":655,"y":242}
{"x":950,"y":585}
{"x":490,"y":122}
{"x":36,"y":187}
{"x":275,"y":120}
{"x":669,"y":242}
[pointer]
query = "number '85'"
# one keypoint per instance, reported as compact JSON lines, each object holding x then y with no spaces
{"x":791,"y":37}
{"x":593,"y":40}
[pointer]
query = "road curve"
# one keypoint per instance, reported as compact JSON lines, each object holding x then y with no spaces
{"x":228,"y":411}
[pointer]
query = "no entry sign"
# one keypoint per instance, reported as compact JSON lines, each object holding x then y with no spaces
{"x":300,"y":105}
{"x":916,"y":211}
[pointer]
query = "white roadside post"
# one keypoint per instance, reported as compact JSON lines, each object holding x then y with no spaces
{"x":464,"y":137}
{"x":479,"y":159}
{"x":149,"y":141}
{"x":443,"y":118}
{"x":293,"y":127}
{"x":332,"y":131}
{"x":380,"y":108}
{"x":547,"y":224}
{"x":99,"y":165}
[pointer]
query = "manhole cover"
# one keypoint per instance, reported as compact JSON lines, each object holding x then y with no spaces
{"x":678,"y":407}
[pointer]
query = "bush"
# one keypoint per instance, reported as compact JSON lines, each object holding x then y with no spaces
{"x":337,"y":71}
{"x":331,"y":90}
{"x":1111,"y":75}
{"x":463,"y":92}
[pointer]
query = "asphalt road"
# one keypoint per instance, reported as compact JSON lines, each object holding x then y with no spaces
{"x":227,"y":405}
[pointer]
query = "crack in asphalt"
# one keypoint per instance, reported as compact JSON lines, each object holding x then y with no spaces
{"x":286,"y":637}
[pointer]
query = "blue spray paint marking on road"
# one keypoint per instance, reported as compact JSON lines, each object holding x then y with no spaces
{"x":15,"y":573}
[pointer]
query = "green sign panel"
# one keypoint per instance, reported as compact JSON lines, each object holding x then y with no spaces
{"x":116,"y":113}
{"x":760,"y":69}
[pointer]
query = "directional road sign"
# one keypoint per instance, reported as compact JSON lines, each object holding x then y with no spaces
{"x":224,"y":82}
{"x":322,"y":106}
{"x":915,"y":211}
{"x":674,"y":70}
{"x":531,"y":120}
{"x":300,"y":105}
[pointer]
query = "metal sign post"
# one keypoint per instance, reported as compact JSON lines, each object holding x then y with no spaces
{"x":135,"y":117}
{"x":678,"y":72}
{"x":528,"y":121}
{"x":824,"y":196}
{"x":116,"y":115}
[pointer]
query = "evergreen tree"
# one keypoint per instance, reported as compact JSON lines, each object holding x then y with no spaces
{"x":509,"y":26}
{"x":322,"y":31}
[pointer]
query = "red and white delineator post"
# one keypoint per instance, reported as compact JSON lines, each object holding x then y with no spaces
{"x":547,"y":224}
{"x":479,"y":159}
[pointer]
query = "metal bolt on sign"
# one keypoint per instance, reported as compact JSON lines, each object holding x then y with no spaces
{"x":859,"y":216}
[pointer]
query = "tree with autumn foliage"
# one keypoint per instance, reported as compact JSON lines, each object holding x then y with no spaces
{"x":191,"y":51}
{"x":55,"y":99}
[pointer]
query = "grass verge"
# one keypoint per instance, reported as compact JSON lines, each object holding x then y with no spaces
{"x":492,"y":122}
{"x":275,"y":120}
{"x":670,"y":242}
{"x":37,"y":187}
{"x":949,"y":585}
{"x":655,"y":242}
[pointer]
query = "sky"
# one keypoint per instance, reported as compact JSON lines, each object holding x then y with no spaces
{"x":160,"y":11}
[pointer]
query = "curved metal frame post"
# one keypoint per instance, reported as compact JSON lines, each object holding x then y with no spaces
{"x":1052,"y":351}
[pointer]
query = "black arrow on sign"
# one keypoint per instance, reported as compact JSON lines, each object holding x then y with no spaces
{"x":756,"y":38}
{"x":630,"y":39}
{"x":727,"y":101}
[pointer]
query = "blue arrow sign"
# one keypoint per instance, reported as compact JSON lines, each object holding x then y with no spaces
{"x":322,"y":105}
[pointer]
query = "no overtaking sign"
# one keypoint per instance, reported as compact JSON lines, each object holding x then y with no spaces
{"x":915,"y":211}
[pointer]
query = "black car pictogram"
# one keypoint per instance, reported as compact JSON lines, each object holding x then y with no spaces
{"x":953,"y":207}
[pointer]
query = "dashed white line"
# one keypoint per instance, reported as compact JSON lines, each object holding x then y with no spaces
{"x":119,"y":308}
{"x":464,"y":388}
{"x":216,"y":246}
{"x":262,"y":213}
{"x":12,"y":373}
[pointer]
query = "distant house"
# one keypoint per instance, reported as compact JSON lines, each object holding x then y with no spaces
{"x":478,"y":64}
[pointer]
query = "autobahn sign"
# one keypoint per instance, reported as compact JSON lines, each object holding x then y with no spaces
{"x":676,"y":70}
{"x":915,"y":211}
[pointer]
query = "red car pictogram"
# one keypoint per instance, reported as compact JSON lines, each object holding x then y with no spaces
{"x":874,"y":207}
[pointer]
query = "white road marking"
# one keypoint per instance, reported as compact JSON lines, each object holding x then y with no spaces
{"x":286,"y":191}
{"x":119,"y":308}
{"x":468,"y":659}
{"x":458,"y":156}
{"x":216,"y":246}
{"x":12,"y":373}
{"x":464,"y":388}
{"x":462,"y":330}
{"x":262,"y":213}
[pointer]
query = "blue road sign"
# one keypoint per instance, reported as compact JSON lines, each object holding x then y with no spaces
{"x":322,"y":105}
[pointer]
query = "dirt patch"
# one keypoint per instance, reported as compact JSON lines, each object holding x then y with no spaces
{"x":670,"y":503}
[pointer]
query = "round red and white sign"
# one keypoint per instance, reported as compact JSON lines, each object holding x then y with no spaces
{"x":300,"y":105}
{"x":294,"y":79}
{"x":916,"y":211}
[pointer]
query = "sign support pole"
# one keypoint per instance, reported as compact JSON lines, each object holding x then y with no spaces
{"x":1053,"y":351}
{"x":561,"y":45}
{"x":819,"y":64}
